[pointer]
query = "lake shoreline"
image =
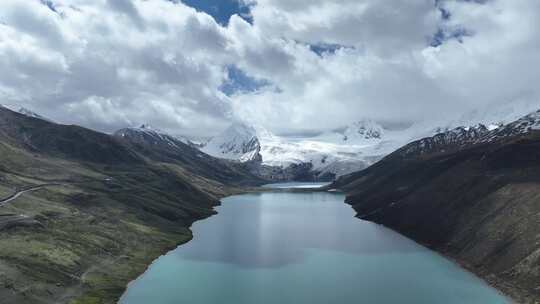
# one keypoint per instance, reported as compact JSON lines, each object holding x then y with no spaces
{"x":504,"y":287}
{"x":507,"y":289}
{"x":495,"y":284}
{"x":167,"y":250}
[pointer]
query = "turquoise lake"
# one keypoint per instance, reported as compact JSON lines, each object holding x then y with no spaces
{"x":285,"y":248}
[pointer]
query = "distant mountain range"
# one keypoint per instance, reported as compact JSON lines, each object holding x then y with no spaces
{"x":331,"y":154}
{"x":353,"y":147}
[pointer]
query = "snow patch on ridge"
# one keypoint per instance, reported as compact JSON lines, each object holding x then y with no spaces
{"x":155,"y":135}
{"x":362,"y":143}
{"x":238,"y":142}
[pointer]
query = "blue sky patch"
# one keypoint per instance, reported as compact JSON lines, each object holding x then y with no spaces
{"x":49,"y":4}
{"x":443,"y":33}
{"x":325,"y":48}
{"x":221,"y":10}
{"x":239,"y":81}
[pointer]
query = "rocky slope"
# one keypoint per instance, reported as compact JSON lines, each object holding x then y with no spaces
{"x":472,"y":194}
{"x":162,"y":147}
{"x":451,"y":140}
{"x":103,"y":209}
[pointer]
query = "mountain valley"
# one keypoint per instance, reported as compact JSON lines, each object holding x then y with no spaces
{"x":468,"y":192}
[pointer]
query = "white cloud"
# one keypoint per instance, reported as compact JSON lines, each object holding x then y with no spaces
{"x":393,"y":73}
{"x":493,"y":65}
{"x":381,"y":26}
{"x":108,"y":64}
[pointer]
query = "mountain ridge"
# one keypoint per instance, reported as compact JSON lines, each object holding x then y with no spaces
{"x":162,"y":147}
{"x":110,"y":208}
{"x":477,"y":200}
{"x":238,"y":142}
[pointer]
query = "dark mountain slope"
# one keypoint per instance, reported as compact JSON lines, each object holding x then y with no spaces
{"x":477,"y":201}
{"x":162,"y":147}
{"x":73,"y":142}
{"x":105,"y":213}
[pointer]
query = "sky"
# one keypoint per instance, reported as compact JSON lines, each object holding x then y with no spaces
{"x":299,"y":66}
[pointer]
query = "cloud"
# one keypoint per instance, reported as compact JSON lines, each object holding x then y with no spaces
{"x":298,"y":66}
{"x":127,"y":8}
{"x":390,"y":70}
{"x":109,"y":64}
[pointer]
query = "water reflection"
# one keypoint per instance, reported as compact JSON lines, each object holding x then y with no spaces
{"x":276,"y":229}
{"x":297,"y":185}
{"x":302,"y":248}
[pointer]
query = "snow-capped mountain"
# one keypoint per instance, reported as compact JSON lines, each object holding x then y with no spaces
{"x":462,"y":137}
{"x":145,"y":133}
{"x":238,"y":142}
{"x":455,"y":138}
{"x":523,"y":125}
{"x":362,"y":143}
{"x":497,"y":115}
{"x":26,"y":112}
{"x":333,"y":153}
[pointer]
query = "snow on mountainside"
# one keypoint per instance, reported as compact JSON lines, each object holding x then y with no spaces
{"x":238,"y":142}
{"x":145,"y":133}
{"x":465,"y":136}
{"x":480,"y":125}
{"x":335,"y":153}
{"x":366,"y":141}
{"x":26,"y":112}
{"x":338,"y":153}
{"x":454,"y":138}
{"x":523,"y":125}
{"x":496,"y":115}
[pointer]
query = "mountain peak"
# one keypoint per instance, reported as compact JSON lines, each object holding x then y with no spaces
{"x":446,"y":140}
{"x":24,"y":111}
{"x":525,"y":124}
{"x":238,"y":142}
{"x":146,"y":127}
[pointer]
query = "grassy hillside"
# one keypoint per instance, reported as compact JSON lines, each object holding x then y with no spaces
{"x":110,"y":212}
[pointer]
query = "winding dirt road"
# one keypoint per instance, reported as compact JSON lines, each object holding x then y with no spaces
{"x":17,"y":194}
